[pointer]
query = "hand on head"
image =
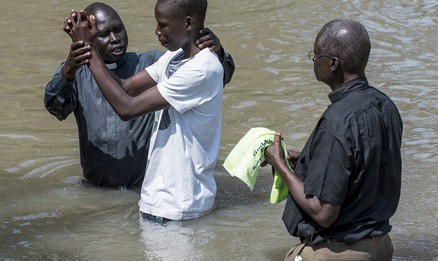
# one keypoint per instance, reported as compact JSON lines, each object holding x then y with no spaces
{"x":208,"y":39}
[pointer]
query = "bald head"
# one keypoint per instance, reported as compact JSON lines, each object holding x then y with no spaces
{"x":95,"y":7}
{"x":348,"y":40}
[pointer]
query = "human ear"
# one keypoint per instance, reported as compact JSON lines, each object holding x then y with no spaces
{"x":189,"y":23}
{"x":334,"y":64}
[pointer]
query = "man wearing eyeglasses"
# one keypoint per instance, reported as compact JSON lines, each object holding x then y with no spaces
{"x":346,"y":183}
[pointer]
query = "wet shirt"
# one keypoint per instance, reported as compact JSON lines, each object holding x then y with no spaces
{"x":182,"y":186}
{"x":351,"y":159}
{"x":113,"y":152}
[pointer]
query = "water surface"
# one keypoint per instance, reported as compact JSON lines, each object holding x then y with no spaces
{"x":48,"y":213}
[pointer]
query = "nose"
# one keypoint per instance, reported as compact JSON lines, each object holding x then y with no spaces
{"x":114,"y":37}
{"x":157,"y":31}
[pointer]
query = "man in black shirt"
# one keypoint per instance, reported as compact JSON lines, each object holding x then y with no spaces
{"x":347,"y":179}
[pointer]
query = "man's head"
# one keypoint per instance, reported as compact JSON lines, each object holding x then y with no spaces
{"x":111,"y":39}
{"x":179,"y":21}
{"x":341,"y":49}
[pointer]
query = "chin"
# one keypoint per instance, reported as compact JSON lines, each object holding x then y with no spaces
{"x":117,"y":58}
{"x":171,"y":48}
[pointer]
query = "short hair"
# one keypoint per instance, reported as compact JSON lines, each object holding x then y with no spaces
{"x":194,"y":8}
{"x":348,"y":40}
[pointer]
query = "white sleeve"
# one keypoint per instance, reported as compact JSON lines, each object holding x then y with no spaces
{"x":187,"y":88}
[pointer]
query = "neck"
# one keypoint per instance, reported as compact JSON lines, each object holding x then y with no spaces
{"x":190,"y":50}
{"x":347,"y":77}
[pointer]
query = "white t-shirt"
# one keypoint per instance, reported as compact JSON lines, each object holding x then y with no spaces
{"x":184,"y":146}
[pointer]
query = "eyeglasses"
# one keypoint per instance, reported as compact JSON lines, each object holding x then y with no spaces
{"x":314,"y":57}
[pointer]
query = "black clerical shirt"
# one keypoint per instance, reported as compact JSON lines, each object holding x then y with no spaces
{"x":351,"y":159}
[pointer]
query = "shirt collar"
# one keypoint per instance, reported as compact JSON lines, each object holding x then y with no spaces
{"x":338,"y":94}
{"x":113,"y":66}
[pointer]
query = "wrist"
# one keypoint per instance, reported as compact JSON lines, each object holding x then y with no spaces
{"x":67,"y":73}
{"x":221,"y":54}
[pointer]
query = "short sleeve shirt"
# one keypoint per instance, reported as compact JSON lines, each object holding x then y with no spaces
{"x":179,"y":181}
{"x":352,"y":159}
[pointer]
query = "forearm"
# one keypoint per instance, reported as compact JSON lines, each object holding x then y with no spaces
{"x":228,"y":65}
{"x":323,"y":213}
{"x":68,"y":73}
{"x":109,"y":84}
{"x":135,"y":89}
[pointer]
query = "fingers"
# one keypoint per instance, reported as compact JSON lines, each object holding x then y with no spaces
{"x":205,"y":30}
{"x":80,"y":53}
{"x":73,"y":16}
{"x":83,"y":16}
{"x":277,"y":138}
{"x":80,"y":27}
{"x":79,"y":44}
{"x":207,"y":44}
{"x":74,"y":19}
{"x":82,"y":59}
{"x":92,"y":24}
{"x":66,"y":29}
{"x":70,"y":21}
{"x":208,"y":39}
{"x":292,"y":154}
{"x":68,"y":24}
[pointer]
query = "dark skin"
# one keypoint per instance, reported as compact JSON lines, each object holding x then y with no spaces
{"x":328,"y":69}
{"x":111,"y":40}
{"x":138,"y":94}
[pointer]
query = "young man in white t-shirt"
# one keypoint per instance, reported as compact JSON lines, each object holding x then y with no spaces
{"x":184,"y":88}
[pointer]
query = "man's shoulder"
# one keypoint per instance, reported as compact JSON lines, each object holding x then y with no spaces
{"x":146,"y":54}
{"x":142,"y":59}
{"x":210,"y":60}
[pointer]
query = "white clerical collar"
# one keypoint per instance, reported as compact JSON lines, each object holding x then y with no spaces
{"x":111,"y":66}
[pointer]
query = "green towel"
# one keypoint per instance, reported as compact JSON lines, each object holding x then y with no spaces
{"x":245,"y":158}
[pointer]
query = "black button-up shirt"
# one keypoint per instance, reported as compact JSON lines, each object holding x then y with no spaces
{"x":351,"y":159}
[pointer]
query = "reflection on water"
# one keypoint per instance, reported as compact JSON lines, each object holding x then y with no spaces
{"x":48,"y":213}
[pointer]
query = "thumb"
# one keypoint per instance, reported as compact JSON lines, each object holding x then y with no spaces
{"x":92,"y":23}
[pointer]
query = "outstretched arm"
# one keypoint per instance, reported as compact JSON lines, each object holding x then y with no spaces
{"x":324,"y":213}
{"x":127,"y":107}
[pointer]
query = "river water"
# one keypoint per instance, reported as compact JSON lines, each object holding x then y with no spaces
{"x":48,"y":213}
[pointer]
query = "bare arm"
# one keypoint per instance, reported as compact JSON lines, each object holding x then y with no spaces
{"x":126,"y":106}
{"x":323,"y":213}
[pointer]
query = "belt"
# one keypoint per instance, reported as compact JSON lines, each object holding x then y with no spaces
{"x":338,"y":241}
{"x":305,"y":241}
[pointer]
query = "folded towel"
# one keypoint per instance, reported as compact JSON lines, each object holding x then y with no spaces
{"x":245,"y":158}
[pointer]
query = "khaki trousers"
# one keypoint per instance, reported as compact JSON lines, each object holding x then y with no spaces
{"x":369,"y":249}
